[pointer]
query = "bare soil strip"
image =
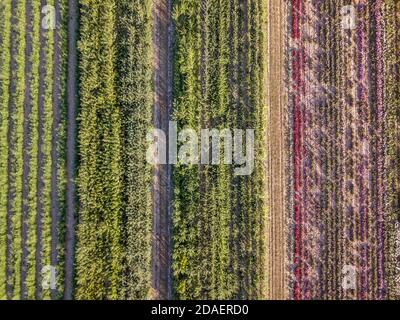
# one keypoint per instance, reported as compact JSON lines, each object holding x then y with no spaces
{"x":276,"y":223}
{"x":161,"y":248}
{"x":72,"y":98}
{"x":169,"y":168}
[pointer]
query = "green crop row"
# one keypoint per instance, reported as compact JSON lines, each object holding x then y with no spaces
{"x":61,"y":128}
{"x":188,"y":219}
{"x":33,"y":152}
{"x":17,"y":68}
{"x":99,"y":252}
{"x":218,"y":83}
{"x":114,"y":230}
{"x":135,"y":100}
{"x":45,"y":146}
{"x":5,"y":15}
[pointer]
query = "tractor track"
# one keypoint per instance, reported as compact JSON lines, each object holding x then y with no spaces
{"x":162,"y":74}
{"x":276,"y":225}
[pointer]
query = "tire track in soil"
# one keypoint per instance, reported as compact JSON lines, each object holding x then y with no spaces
{"x":72,"y":97}
{"x":276,"y":229}
{"x":26,"y":142}
{"x":161,"y":240}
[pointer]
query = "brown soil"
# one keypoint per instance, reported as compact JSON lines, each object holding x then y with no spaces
{"x":276,"y":100}
{"x":161,"y":242}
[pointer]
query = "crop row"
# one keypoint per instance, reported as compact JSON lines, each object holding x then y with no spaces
{"x":27,"y":145}
{"x":98,"y":257}
{"x":218,"y":83}
{"x":344,"y":166}
{"x":135,"y":100}
{"x":33,"y":30}
{"x":15,"y":144}
{"x":59,"y":129}
{"x":5,"y":14}
{"x":114,"y":226}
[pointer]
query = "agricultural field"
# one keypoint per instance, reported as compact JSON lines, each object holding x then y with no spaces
{"x":343,"y":117}
{"x":199,"y":149}
{"x":33,"y":123}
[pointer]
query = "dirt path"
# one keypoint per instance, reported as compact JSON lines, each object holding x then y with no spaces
{"x":161,"y":247}
{"x":72,"y":98}
{"x":276,"y":100}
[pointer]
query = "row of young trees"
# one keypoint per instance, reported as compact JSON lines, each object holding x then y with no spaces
{"x":218,"y":218}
